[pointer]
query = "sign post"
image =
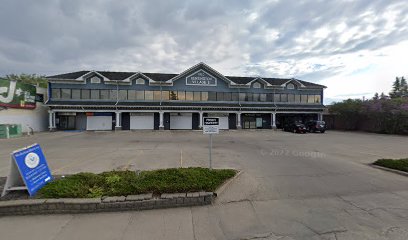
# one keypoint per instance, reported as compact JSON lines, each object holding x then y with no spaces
{"x":28,"y":171}
{"x":210,"y":126}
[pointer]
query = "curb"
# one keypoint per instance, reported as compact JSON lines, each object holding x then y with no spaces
{"x":222,"y":188}
{"x":389,"y":169}
{"x":104,"y":204}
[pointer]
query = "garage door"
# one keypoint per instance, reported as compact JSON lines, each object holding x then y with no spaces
{"x":142,"y":121}
{"x":99,"y":123}
{"x":181,"y":121}
{"x":223,"y":123}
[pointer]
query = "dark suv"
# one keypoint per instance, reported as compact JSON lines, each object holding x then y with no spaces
{"x":316,"y":126}
{"x":295,"y":127}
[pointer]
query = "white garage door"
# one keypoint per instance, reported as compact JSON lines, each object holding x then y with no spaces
{"x":224,"y":123}
{"x":182,"y":121}
{"x":142,"y":121}
{"x":99,"y":123}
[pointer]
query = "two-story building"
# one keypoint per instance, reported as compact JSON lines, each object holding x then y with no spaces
{"x":100,"y":100}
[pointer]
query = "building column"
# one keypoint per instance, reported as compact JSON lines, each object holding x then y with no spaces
{"x":320,"y":116}
{"x":161,"y":124}
{"x":50,"y":120}
{"x":273,"y":120}
{"x":118,"y":125}
{"x":54,"y":122}
{"x":239,"y":120}
{"x":201,"y":120}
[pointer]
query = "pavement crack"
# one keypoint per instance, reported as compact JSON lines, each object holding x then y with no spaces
{"x":192,"y":224}
{"x":62,"y":228}
{"x":356,"y":206}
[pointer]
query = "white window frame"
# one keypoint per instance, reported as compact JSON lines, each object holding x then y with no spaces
{"x":256,"y":85}
{"x":290,"y":86}
{"x":95,"y":79}
{"x":140,"y":81}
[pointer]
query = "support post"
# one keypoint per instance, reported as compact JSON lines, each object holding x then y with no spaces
{"x":209,"y":149}
{"x":239,"y":120}
{"x":161,"y":124}
{"x":118,"y":125}
{"x":201,"y":120}
{"x":54,"y":124}
{"x":320,"y":116}
{"x":273,"y":120}
{"x":50,"y":118}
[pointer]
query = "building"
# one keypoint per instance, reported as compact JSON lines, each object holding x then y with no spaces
{"x":100,"y":100}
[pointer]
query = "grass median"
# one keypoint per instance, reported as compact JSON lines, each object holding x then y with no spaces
{"x":123,"y":183}
{"x":397,"y":164}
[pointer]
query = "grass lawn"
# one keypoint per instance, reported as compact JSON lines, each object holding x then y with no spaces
{"x":398,"y":164}
{"x":123,"y":183}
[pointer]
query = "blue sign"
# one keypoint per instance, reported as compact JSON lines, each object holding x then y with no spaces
{"x":33,"y":167}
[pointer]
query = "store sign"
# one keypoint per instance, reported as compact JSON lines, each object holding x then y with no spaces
{"x":201,"y":78}
{"x":29,"y":170}
{"x":211,"y":125}
{"x":15,"y":94}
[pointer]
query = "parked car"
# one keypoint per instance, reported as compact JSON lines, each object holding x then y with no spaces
{"x":316,"y":126}
{"x":295,"y":128}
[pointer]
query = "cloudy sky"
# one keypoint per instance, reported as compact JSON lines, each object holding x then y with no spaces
{"x":354,"y":47}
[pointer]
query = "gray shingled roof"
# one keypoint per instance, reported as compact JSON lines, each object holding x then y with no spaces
{"x":161,"y":77}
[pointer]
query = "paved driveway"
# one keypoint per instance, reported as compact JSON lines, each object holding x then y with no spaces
{"x":313,"y":186}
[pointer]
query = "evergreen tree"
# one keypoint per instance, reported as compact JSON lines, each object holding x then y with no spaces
{"x":403,"y":87}
{"x":376,"y":96}
{"x":396,"y":86}
{"x":383,"y":96}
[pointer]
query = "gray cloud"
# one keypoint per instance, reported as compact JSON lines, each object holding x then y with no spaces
{"x":268,"y":38}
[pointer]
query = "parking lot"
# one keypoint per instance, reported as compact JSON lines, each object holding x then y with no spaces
{"x":298,"y":186}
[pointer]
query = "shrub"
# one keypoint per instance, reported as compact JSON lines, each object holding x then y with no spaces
{"x":398,"y":164}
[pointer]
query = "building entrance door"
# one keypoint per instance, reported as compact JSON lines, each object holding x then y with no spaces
{"x":67,"y":122}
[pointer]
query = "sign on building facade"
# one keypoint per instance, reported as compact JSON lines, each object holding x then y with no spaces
{"x":15,"y":94}
{"x":201,"y":78}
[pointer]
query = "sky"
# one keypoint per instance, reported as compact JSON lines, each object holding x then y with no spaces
{"x":354,"y":47}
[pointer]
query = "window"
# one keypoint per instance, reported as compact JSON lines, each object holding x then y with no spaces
{"x":262,"y":97}
{"x":76,"y":93}
{"x":276,"y":98}
{"x":310,"y":99}
{"x":181,"y":95}
{"x":95,"y":79}
{"x":56,"y":93}
{"x":197,"y":96}
{"x":165,"y":95}
{"x":113,"y":94}
{"x":248,"y":97}
{"x":227,"y":96}
{"x":140,"y":81}
{"x":94,"y":94}
{"x":284,"y":97}
{"x":148,"y":95}
{"x":318,"y":99}
{"x":291,"y":98}
{"x":256,"y":85}
{"x":290,"y":86}
{"x":234,"y":97}
{"x":255,"y":97}
{"x":220,"y":96}
{"x":173,"y":95}
{"x":156,"y":95}
{"x":189,"y":96}
{"x":122,"y":94}
{"x":65,"y":93}
{"x":140,"y":95}
{"x":204,"y":96}
{"x":297,"y":98}
{"x":131,"y":94}
{"x":85,"y":94}
{"x":269,"y":97}
{"x":303,"y":98}
{"x":212,"y":96}
{"x":242,"y":97}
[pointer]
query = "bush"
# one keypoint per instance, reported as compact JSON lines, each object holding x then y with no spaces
{"x":122,"y":183}
{"x":398,"y":164}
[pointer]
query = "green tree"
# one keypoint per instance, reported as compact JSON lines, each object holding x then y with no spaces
{"x":403,"y":87}
{"x":33,"y":79}
{"x":395,"y":92}
{"x":376,"y":96}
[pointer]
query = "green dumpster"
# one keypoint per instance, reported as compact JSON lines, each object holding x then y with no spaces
{"x":10,"y":130}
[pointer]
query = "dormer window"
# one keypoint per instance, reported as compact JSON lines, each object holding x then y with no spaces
{"x":290,"y":86}
{"x":95,"y":79}
{"x":140,"y":81}
{"x":256,"y":85}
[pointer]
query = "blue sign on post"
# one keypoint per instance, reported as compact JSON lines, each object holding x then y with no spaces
{"x":33,"y":167}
